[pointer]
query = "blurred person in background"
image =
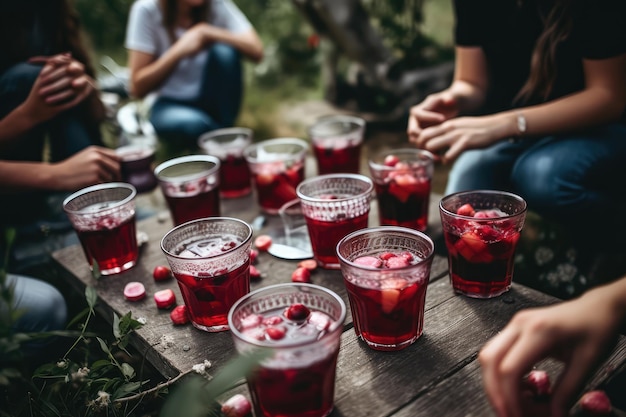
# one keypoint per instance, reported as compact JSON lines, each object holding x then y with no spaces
{"x":188,"y":52}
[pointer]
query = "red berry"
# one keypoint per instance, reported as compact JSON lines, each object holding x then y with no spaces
{"x":134,"y":291}
{"x":297,"y":312}
{"x":538,"y":382}
{"x":236,"y":406}
{"x":309,"y":264}
{"x":466,"y":210}
{"x":254,"y":272}
{"x":397,"y":262}
{"x":180,"y":315}
{"x":161,"y":273}
{"x":276,"y":333}
{"x":596,"y":403}
{"x":370,"y":261}
{"x":263,"y":242}
{"x":165,"y":298}
{"x":301,"y":275}
{"x":391,"y":160}
{"x":253,"y":255}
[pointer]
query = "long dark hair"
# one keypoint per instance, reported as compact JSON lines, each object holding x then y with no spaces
{"x":543,"y":69}
{"x":170,"y":15}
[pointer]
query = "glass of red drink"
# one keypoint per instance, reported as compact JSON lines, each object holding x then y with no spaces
{"x":337,"y":141}
{"x":402,"y":179}
{"x":210,"y":259}
{"x":481,"y":230}
{"x":137,"y":166}
{"x":190,"y":185}
{"x":302,"y":325}
{"x":103,"y":216}
{"x":228,"y":145}
{"x":386,"y":271}
{"x":277,"y":167}
{"x":333,"y":206}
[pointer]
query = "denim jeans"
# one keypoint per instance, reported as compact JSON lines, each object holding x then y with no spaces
{"x":576,"y":179}
{"x":216,"y":107}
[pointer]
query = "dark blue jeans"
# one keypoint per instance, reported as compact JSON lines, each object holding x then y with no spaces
{"x":576,"y":180}
{"x":217,"y":106}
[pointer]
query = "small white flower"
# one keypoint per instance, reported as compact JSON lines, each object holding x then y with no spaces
{"x":104,"y":398}
{"x":543,"y":255}
{"x":80,"y":375}
{"x":201,"y":368}
{"x":62,"y":364}
{"x":142,"y":320}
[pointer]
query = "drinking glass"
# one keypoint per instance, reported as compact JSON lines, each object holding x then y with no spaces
{"x":298,"y":379}
{"x":228,"y":144}
{"x":337,"y":141}
{"x":333,"y":206}
{"x":481,"y":230}
{"x":210,"y":259}
{"x":402,"y":178}
{"x":190,"y":185}
{"x":292,"y":241}
{"x":137,"y":166}
{"x":103,"y":217}
{"x":277,"y":167}
{"x":386,"y":271}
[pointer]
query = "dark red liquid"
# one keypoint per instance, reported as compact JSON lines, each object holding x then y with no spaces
{"x":325,"y":236}
{"x":274,"y":190}
{"x":234,"y":177}
{"x":208,"y":299}
{"x":113,"y":249}
{"x":404,"y":205}
{"x":184,"y":209}
{"x":481,"y":267}
{"x":331,"y":160}
{"x":301,"y":392}
{"x":388,"y":319}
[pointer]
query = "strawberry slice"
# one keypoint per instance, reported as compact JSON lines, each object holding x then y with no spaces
{"x":263,"y":242}
{"x":179,"y":315}
{"x":391,"y":160}
{"x":397,"y":262}
{"x":466,"y":210}
{"x":370,"y":261}
{"x":403,"y":186}
{"x":473,"y":248}
{"x":264,"y":179}
{"x":310,"y":264}
{"x":301,"y":274}
{"x":276,"y":333}
{"x":134,"y":291}
{"x":391,"y":289}
{"x":164,"y":298}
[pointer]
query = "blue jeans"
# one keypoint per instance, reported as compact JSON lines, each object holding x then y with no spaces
{"x":216,"y":107}
{"x":42,"y":306}
{"x":576,"y":180}
{"x":68,"y":133}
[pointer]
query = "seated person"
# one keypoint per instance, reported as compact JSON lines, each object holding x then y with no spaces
{"x":188,"y":53}
{"x":537,"y":107}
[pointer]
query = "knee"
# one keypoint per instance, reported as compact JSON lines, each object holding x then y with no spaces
{"x":537,"y":180}
{"x":42,"y":306}
{"x":225,"y":57}
{"x":22,"y":76}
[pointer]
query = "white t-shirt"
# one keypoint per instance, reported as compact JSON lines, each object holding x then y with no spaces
{"x":145,"y":33}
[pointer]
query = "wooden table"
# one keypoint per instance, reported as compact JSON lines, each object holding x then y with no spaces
{"x":436,"y":376}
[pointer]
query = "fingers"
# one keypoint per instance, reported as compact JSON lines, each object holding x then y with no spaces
{"x":490,"y":358}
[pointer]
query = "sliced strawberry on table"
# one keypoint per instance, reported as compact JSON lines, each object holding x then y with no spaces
{"x":254,"y":254}
{"x":236,"y":406}
{"x":161,"y":273}
{"x":254,"y":272}
{"x":263,"y":242}
{"x":134,"y":291}
{"x":164,"y":298}
{"x":179,"y":315}
{"x":596,"y":403}
{"x":309,"y":264}
{"x":301,"y":274}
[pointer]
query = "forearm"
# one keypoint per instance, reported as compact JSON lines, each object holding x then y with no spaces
{"x":26,"y":176}
{"x":149,"y":78}
{"x":614,"y":296}
{"x":248,"y":43}
{"x":579,"y":111}
{"x":15,"y":124}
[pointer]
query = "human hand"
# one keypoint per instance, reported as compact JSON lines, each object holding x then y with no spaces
{"x":92,"y":165}
{"x":194,"y":40}
{"x":459,"y":134}
{"x":435,"y":109}
{"x":577,"y":332}
{"x":60,"y":85}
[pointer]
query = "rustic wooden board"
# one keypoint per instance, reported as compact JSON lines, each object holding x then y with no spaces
{"x":174,"y":349}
